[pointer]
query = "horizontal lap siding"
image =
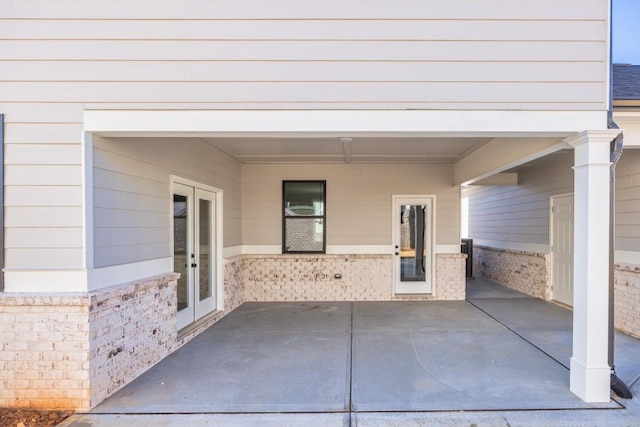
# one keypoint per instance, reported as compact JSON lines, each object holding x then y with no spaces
{"x":58,"y":58}
{"x":628,"y":201}
{"x":520,"y":214}
{"x":358,"y":200}
{"x":460,"y":54}
{"x":132,"y":200}
{"x":43,"y":193}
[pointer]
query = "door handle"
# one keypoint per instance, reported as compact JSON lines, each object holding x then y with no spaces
{"x":194,"y":265}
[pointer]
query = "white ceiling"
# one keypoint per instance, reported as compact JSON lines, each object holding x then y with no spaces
{"x":358,"y":150}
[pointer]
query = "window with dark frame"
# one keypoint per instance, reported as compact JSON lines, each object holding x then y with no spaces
{"x":303,"y":217}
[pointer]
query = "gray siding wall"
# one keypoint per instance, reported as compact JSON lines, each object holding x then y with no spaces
{"x":628,"y":201}
{"x":520,"y":214}
{"x":132,"y":199}
{"x":358,"y":200}
{"x":58,"y":58}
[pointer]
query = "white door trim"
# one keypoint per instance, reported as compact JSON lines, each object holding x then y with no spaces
{"x":198,"y":189}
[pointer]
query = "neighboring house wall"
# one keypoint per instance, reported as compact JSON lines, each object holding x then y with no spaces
{"x":510,"y":225}
{"x":517,"y":217}
{"x":628,"y":202}
{"x":132,"y":194}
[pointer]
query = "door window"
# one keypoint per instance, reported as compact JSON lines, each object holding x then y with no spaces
{"x":413,"y":229}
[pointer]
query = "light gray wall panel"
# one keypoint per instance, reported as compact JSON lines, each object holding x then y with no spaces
{"x":358,"y":200}
{"x":520,"y":214}
{"x":132,"y":203}
{"x":628,"y":201}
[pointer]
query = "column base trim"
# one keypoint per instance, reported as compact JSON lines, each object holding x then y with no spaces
{"x":590,"y":383}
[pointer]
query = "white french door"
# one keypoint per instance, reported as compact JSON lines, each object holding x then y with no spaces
{"x":195,"y":251}
{"x":413,"y":244}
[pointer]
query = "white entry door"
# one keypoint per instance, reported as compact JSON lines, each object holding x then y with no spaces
{"x":195,"y":252}
{"x":562,"y":248}
{"x":413,"y":244}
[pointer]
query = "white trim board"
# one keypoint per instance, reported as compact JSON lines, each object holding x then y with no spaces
{"x":537,"y":248}
{"x":339,"y":123}
{"x":331,"y":250}
{"x":83,"y":280}
{"x":627,"y":257}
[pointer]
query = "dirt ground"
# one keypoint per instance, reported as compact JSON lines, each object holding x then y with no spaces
{"x":31,"y":417}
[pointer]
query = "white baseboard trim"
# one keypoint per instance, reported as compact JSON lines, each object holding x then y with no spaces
{"x":627,"y":257}
{"x":359,"y":249}
{"x":513,"y":246}
{"x":45,"y":281}
{"x":232,"y":251}
{"x":447,"y":249}
{"x":331,"y":250}
{"x":60,"y":281}
{"x":116,"y":274}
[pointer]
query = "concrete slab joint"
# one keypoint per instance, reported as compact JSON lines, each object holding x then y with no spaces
{"x":75,"y":350}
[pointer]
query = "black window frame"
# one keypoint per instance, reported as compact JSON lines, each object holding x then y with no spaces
{"x":323,"y":217}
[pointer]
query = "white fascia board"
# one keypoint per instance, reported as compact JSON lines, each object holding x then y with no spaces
{"x":629,"y":122}
{"x":358,"y":123}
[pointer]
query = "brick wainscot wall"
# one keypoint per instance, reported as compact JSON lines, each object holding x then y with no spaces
{"x":74,"y":350}
{"x":530,"y":273}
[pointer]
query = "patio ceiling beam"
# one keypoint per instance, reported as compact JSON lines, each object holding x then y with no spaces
{"x":501,"y":154}
{"x":504,"y":178}
{"x":338,"y":123}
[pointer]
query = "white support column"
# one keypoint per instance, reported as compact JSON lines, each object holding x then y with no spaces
{"x":590,"y":371}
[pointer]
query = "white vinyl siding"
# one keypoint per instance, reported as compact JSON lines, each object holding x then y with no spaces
{"x":358,"y":209}
{"x":43,"y":193}
{"x":458,"y":54}
{"x":520,"y":214}
{"x":58,"y":58}
{"x":628,"y":201}
{"x":132,"y":198}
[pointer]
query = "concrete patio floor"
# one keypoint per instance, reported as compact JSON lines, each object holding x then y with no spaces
{"x":499,"y":358}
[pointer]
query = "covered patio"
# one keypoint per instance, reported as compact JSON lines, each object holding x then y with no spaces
{"x":499,"y":350}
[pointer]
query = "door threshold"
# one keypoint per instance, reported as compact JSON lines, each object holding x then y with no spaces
{"x":195,"y":325}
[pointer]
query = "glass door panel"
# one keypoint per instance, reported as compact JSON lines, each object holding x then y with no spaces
{"x":182,"y":243}
{"x":205,"y":253}
{"x":413,"y":244}
{"x":194,"y":252}
{"x":412,"y":238}
{"x":204,"y":249}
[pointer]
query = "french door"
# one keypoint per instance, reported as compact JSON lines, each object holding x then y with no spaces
{"x":413,"y":244}
{"x":195,"y":251}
